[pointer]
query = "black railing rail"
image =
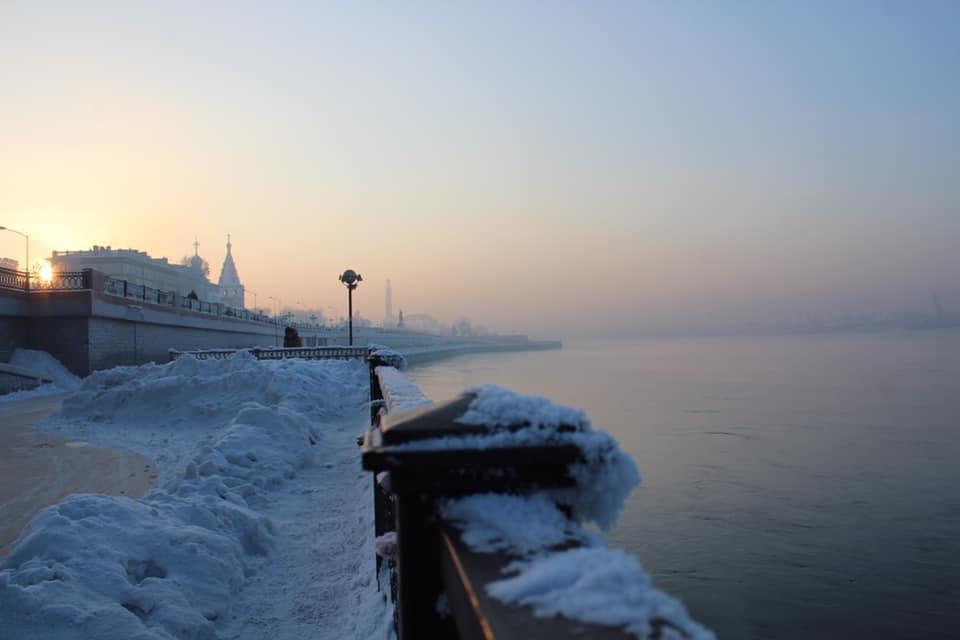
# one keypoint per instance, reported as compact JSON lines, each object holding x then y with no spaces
{"x":12,"y":279}
{"x":58,"y":281}
{"x":280,"y":353}
{"x":431,"y":558}
{"x":62,"y":281}
{"x":124,"y":289}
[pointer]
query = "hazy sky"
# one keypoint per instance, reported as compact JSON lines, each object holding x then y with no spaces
{"x":544,"y":166}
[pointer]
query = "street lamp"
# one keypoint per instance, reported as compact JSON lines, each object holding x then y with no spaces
{"x":276,"y":327}
{"x":27,"y":238}
{"x":350,"y":279}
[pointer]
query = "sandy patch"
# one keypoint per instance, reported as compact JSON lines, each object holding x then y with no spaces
{"x":38,"y":470}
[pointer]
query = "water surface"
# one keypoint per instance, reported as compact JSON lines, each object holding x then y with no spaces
{"x":794,"y":487}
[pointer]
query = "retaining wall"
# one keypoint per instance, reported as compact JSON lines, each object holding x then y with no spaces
{"x":88,"y":330}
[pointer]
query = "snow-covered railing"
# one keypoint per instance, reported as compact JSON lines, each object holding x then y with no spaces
{"x":280,"y":353}
{"x":479,"y":508}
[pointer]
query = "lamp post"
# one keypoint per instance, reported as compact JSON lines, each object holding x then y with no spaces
{"x":27,"y":238}
{"x":350,"y":279}
{"x":276,"y":327}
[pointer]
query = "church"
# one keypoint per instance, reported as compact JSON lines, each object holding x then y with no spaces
{"x":231,"y":289}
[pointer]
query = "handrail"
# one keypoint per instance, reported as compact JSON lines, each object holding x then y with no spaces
{"x":13,"y":279}
{"x":423,"y":460}
{"x":279,"y":353}
{"x":60,"y":281}
{"x":477,"y":615}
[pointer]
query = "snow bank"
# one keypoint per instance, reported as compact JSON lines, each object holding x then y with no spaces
{"x":166,"y":410}
{"x":107,"y":567}
{"x":399,"y":393}
{"x":230,"y":438}
{"x":46,"y":365}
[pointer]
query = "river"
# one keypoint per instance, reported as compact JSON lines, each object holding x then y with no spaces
{"x":794,"y":487}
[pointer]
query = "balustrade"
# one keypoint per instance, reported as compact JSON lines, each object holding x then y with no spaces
{"x":424,"y":459}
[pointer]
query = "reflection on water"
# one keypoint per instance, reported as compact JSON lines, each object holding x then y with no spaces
{"x":794,"y":487}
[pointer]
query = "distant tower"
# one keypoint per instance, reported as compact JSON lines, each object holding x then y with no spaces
{"x":230,"y":286}
{"x":400,"y":322}
{"x":388,"y":307}
{"x":937,"y":307}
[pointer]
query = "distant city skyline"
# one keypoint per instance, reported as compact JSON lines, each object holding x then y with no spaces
{"x":557,"y":169}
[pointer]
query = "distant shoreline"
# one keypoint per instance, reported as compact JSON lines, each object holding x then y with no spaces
{"x":431,"y":354}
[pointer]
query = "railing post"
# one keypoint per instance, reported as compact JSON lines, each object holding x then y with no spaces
{"x":419,"y":581}
{"x":376,"y":393}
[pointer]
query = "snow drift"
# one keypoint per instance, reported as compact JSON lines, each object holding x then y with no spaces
{"x":44,"y":364}
{"x":231,"y":438}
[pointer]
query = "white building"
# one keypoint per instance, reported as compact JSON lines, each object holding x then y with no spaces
{"x":137,"y":267}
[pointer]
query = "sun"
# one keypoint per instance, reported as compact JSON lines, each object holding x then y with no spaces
{"x":46,"y":273}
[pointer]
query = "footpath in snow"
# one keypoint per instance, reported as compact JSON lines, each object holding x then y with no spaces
{"x":260,"y":525}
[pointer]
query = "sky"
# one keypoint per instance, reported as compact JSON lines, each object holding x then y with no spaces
{"x":550,"y":167}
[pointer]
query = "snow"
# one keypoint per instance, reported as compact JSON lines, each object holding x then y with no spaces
{"x":386,"y":545}
{"x":46,"y":365}
{"x":388,"y":356}
{"x":399,"y":393}
{"x":588,"y":582}
{"x":498,"y":407}
{"x":249,"y":533}
{"x":563,"y":569}
{"x":518,"y":524}
{"x":598,"y":585}
{"x":261,"y":524}
{"x":606,"y":476}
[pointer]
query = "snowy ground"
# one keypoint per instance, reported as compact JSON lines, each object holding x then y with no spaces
{"x":261,"y":525}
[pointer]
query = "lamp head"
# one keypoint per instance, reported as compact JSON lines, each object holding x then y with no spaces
{"x":350,"y":278}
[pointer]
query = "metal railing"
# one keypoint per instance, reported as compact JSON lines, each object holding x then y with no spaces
{"x":430,"y":558}
{"x":62,"y":281}
{"x":11,"y":279}
{"x":280,"y":353}
{"x":83,"y":280}
{"x":143,"y":293}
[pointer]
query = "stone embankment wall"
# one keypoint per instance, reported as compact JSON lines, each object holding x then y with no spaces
{"x":88,"y":330}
